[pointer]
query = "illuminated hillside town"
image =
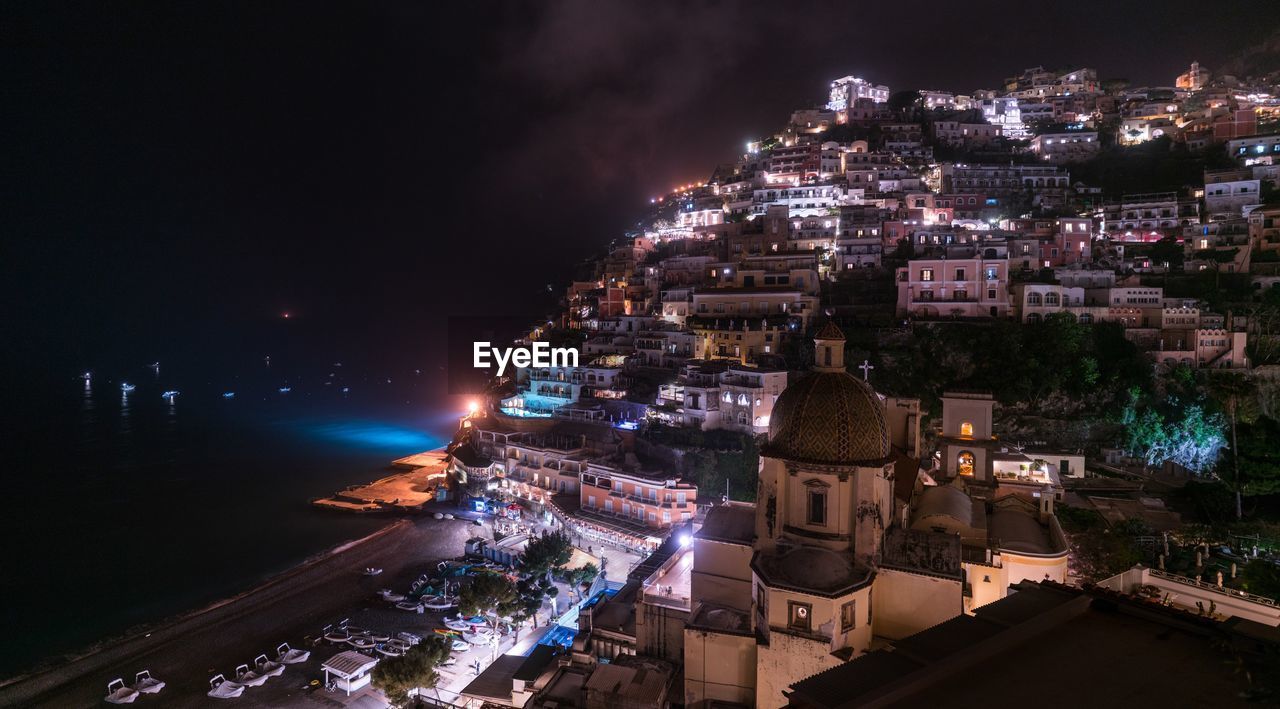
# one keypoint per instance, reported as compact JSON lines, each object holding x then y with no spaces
{"x":924,"y":399}
{"x":863,"y":401}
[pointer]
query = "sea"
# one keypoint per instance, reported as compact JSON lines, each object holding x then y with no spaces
{"x":122,"y":509}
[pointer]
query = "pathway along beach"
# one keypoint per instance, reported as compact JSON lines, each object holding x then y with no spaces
{"x":185,"y":653}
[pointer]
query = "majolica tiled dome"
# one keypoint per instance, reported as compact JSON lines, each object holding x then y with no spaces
{"x":828,"y":415}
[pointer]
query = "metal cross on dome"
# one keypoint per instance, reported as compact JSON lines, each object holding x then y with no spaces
{"x":866,"y":368}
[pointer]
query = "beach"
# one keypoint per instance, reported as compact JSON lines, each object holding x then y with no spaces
{"x":295,"y":605}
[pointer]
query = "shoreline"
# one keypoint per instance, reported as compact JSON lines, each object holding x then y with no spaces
{"x":408,"y":490}
{"x":151,"y":636}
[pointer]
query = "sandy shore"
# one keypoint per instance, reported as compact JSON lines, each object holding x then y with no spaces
{"x":289,"y":607}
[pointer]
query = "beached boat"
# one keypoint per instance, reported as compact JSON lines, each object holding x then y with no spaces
{"x":459,"y":625}
{"x":248,"y":677}
{"x":391,"y":596}
{"x":222,"y":688}
{"x":389,"y":651}
{"x":145,"y":683}
{"x":268,"y":668}
{"x":439,"y":603}
{"x":399,"y":644}
{"x":378,"y":636}
{"x":448,"y":662}
{"x":459,"y":646}
{"x":372,"y":571}
{"x":286,"y":655}
{"x":411,"y":638}
{"x":336,"y":636}
{"x":478,"y":638}
{"x":410,"y":606}
{"x":362,"y":642}
{"x":117,"y":693}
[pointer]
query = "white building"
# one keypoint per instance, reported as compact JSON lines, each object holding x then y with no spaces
{"x":1066,"y":147}
{"x":846,"y":90}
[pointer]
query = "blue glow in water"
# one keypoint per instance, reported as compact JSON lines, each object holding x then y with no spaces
{"x":372,"y":435}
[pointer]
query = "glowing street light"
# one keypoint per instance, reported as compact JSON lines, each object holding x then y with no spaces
{"x":472,"y":407}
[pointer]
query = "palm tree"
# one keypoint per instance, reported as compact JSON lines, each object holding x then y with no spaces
{"x":1236,"y":395}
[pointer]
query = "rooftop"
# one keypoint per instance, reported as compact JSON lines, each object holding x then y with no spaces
{"x":734,"y":523}
{"x":1123,"y":648}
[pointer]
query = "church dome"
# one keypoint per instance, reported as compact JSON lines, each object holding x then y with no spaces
{"x":828,"y":416}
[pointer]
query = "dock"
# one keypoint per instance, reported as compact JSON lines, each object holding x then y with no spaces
{"x":406,"y":491}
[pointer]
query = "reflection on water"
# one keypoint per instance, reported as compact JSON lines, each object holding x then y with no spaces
{"x":370,"y":434}
{"x":133,"y":498}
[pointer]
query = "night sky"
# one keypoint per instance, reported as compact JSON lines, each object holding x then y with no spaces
{"x":183,"y":170}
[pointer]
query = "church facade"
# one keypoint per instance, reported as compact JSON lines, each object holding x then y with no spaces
{"x":833,"y":561}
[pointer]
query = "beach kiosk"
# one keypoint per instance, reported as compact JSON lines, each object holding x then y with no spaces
{"x":350,"y":670}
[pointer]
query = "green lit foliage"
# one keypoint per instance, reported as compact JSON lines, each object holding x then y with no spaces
{"x":1181,"y":433}
{"x":397,"y":676}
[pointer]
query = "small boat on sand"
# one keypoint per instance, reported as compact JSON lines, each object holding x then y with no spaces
{"x":391,"y":596}
{"x":268,"y":668}
{"x":117,"y":693}
{"x":439,"y":603}
{"x":145,"y":683}
{"x":248,"y":677}
{"x":286,"y":655}
{"x":410,"y":606}
{"x":222,"y":688}
{"x":362,"y":642}
{"x":337,"y":636}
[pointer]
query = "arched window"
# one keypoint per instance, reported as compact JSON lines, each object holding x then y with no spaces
{"x":743,"y":400}
{"x":1051,"y":299}
{"x":966,"y":428}
{"x":727,"y":397}
{"x":1033,"y":299}
{"x":965,"y":463}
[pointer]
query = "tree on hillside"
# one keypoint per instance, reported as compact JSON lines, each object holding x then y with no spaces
{"x":1188,"y":436}
{"x":492,"y":596}
{"x":1236,"y":395}
{"x":397,"y":676}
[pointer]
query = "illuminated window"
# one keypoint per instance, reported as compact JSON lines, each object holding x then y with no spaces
{"x":965,"y":460}
{"x":966,"y":429}
{"x":799,"y":616}
{"x":926,"y":274}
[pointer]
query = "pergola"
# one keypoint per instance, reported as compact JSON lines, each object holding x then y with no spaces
{"x":352,"y":670}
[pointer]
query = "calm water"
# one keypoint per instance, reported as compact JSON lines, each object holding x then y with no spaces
{"x":120,"y":510}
